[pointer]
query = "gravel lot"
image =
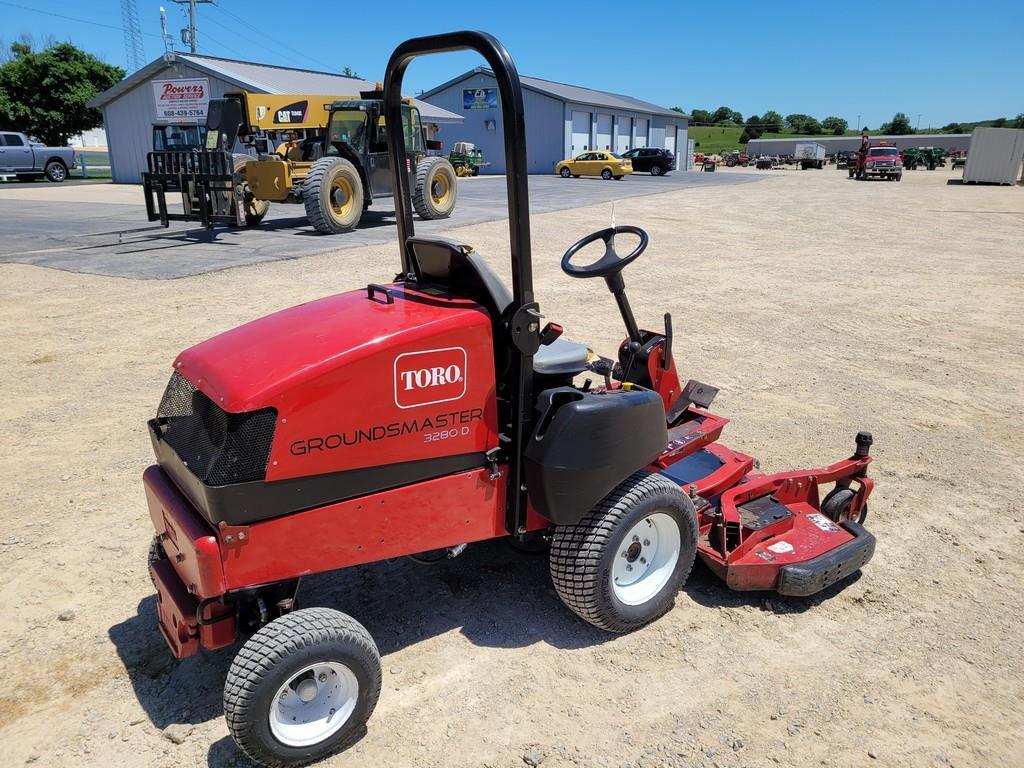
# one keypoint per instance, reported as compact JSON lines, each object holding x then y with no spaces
{"x":819,"y":305}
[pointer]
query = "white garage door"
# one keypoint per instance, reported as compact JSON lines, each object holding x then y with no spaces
{"x":603,"y":140}
{"x":622,"y":137}
{"x":580,"y":131}
{"x":670,"y":138}
{"x":641,"y":132}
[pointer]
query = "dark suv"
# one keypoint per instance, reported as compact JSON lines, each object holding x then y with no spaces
{"x":657,"y":161}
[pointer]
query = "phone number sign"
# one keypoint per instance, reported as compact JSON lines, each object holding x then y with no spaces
{"x":181,"y":101}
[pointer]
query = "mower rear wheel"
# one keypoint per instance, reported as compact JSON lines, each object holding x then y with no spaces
{"x":333,"y":195}
{"x":435,"y":191}
{"x":302,"y":687}
{"x":621,"y":566}
{"x":836,"y":506}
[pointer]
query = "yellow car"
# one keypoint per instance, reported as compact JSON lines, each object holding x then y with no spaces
{"x":607,"y":165}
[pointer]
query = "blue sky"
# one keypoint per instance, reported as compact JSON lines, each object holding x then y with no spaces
{"x":944,"y":61}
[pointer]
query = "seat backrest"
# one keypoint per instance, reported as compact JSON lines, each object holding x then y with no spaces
{"x":459,"y":267}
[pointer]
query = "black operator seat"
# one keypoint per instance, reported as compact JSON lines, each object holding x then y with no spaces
{"x":458,"y":266}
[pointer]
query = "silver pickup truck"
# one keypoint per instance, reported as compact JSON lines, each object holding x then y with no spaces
{"x":30,"y":160}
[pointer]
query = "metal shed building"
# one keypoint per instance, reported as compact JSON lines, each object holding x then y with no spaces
{"x":561,"y":120}
{"x":131,"y":108}
{"x":832,"y":144}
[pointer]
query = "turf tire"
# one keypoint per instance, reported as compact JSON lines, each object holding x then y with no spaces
{"x":836,"y":505}
{"x":275,"y":653}
{"x":582,"y":554}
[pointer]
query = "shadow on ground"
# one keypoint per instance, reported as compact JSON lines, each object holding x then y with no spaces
{"x":496,"y":596}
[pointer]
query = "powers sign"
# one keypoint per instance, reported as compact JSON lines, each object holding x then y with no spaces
{"x":181,"y":101}
{"x":429,"y":377}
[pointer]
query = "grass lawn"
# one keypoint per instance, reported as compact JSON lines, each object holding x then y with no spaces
{"x":97,"y":165}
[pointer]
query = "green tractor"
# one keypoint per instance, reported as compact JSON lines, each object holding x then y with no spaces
{"x":466,"y":159}
{"x":924,"y":157}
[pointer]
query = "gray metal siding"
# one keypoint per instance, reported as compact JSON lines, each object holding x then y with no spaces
{"x":129,"y":119}
{"x":544,"y":126}
{"x":549,"y":125}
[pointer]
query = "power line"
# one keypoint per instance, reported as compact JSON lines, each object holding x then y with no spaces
{"x":275,"y":41}
{"x":70,"y":18}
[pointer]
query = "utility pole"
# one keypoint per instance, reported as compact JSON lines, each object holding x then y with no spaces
{"x":858,"y":126}
{"x":918,"y":123}
{"x":188,"y":36}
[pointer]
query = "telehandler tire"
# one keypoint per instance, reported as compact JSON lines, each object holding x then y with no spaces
{"x":622,"y":564}
{"x":255,"y":210}
{"x":434,"y":194}
{"x":333,"y":195}
{"x":302,"y":687}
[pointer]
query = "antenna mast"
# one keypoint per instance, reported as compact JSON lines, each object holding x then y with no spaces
{"x":134,"y":52}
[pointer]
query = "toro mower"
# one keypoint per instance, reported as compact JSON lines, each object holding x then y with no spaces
{"x":435,"y":410}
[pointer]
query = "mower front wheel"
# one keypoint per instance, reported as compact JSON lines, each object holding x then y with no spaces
{"x":836,"y":506}
{"x":302,"y":687}
{"x":621,"y":566}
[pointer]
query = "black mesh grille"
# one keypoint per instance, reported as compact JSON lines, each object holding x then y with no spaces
{"x":218,"y":447}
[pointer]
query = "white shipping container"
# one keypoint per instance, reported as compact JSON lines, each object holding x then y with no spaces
{"x":995,"y":155}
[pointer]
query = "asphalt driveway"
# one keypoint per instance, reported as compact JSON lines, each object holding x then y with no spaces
{"x":102,"y":229}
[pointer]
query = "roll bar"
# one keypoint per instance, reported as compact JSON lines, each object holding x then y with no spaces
{"x":521,"y":319}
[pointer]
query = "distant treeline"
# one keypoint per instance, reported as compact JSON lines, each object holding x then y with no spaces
{"x":773,"y":122}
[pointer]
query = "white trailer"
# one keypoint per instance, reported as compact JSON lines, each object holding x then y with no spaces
{"x":810,"y":154}
{"x":994,"y":156}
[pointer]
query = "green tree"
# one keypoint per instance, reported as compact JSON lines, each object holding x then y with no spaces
{"x":736,"y":117}
{"x":349,"y":72}
{"x":752,"y":129}
{"x":700,"y":116}
{"x":771,"y":121}
{"x":952,"y":128}
{"x":834,"y":125}
{"x":999,"y":122}
{"x":797,"y":123}
{"x":678,"y":109}
{"x":721,"y":115}
{"x":1018,"y":122}
{"x":898,"y":126}
{"x":44,"y":93}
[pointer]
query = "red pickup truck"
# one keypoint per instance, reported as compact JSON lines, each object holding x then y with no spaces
{"x":879,"y":161}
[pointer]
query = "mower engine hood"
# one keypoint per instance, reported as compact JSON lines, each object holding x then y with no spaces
{"x":250,"y":366}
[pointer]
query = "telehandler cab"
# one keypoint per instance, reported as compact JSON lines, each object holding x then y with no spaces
{"x":436,"y":410}
{"x":327,"y":153}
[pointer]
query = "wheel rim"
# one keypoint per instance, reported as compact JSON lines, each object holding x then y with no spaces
{"x":57,"y":172}
{"x":440,"y":189}
{"x":646,"y":559}
{"x":565,"y":173}
{"x":341,"y":196}
{"x":606,"y":174}
{"x":314,"y":704}
{"x":656,"y":171}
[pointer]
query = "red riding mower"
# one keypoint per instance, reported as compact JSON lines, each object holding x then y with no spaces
{"x":433,"y":411}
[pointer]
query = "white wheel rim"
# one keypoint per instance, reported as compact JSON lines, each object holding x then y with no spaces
{"x":646,"y":559}
{"x":314,"y":704}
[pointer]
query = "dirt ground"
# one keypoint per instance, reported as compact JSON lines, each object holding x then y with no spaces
{"x":820,"y":306}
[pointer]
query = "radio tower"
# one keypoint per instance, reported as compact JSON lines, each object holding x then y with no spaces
{"x":133,"y":50}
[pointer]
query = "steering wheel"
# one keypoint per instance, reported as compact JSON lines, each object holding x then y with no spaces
{"x":611,"y":263}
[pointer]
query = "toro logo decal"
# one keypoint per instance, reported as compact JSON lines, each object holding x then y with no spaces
{"x":429,"y":377}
